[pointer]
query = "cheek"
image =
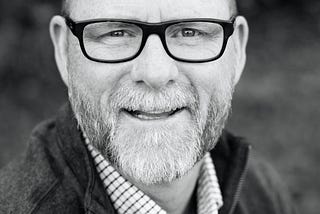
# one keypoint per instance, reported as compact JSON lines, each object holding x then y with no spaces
{"x":210,"y":79}
{"x":96,"y":80}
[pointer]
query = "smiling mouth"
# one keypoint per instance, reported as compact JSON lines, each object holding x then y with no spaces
{"x":155,"y":115}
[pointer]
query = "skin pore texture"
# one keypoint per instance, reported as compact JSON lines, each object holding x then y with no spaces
{"x":162,"y":156}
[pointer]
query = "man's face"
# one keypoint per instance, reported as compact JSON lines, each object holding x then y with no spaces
{"x":152,"y":117}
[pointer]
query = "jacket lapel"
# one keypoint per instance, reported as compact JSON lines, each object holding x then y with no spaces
{"x":81,"y":164}
{"x":230,"y":157}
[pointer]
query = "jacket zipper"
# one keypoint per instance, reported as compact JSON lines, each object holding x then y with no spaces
{"x":239,"y":186}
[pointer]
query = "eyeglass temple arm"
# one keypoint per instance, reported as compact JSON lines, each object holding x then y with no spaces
{"x":230,"y":26}
{"x":70,"y":23}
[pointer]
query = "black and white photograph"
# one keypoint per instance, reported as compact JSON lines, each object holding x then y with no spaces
{"x":159,"y":107}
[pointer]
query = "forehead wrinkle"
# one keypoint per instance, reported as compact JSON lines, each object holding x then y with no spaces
{"x":196,"y":9}
{"x":150,"y":10}
{"x":119,"y":9}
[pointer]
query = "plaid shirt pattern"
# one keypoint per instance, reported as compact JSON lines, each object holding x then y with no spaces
{"x":128,"y":199}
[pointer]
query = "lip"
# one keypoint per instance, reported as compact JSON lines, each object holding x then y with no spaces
{"x":153,"y":115}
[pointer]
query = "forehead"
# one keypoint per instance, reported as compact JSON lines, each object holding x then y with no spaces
{"x":149,"y":10}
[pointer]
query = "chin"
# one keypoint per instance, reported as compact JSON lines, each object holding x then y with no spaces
{"x":155,"y":152}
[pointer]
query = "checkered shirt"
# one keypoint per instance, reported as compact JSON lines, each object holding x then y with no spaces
{"x":128,"y":199}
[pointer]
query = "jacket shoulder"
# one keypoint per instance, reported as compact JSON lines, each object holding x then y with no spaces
{"x":263,"y":189}
{"x":28,"y":179}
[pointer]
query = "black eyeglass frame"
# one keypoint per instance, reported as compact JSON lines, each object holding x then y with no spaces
{"x":148,"y":29}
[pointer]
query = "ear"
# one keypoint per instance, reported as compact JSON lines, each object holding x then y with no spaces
{"x":240,"y":37}
{"x":59,"y":33}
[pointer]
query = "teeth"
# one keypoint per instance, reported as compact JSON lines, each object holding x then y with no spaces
{"x":152,"y":115}
{"x":163,"y":111}
{"x":157,"y":112}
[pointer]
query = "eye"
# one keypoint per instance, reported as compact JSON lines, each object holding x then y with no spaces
{"x":115,"y":34}
{"x":118,"y":33}
{"x":188,"y":32}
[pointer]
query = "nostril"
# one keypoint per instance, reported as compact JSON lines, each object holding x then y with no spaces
{"x":139,"y":82}
{"x":171,"y":82}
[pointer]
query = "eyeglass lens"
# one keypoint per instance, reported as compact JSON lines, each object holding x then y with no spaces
{"x":186,"y":40}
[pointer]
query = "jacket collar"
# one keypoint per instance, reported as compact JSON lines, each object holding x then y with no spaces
{"x":81,"y":164}
{"x":230,"y":157}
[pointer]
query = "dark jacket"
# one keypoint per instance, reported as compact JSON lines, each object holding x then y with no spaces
{"x":57,"y":175}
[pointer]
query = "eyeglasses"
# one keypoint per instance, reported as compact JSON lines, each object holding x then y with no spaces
{"x":119,"y":40}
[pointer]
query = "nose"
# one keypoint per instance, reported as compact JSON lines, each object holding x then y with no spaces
{"x":154,"y":67}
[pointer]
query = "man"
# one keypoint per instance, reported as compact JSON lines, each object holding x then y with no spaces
{"x":150,"y":86}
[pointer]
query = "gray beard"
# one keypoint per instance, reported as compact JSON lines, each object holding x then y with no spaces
{"x":151,"y":155}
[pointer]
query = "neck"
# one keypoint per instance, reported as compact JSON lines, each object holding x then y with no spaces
{"x":176,"y":197}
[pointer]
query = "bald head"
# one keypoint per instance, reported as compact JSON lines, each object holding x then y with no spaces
{"x":66,"y":7}
{"x":233,"y":7}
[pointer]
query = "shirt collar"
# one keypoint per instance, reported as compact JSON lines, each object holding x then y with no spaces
{"x":127,"y":198}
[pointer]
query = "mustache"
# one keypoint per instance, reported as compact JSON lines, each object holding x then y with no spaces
{"x":132,"y":97}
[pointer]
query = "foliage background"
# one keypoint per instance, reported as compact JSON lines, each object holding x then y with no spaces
{"x":276,"y":105}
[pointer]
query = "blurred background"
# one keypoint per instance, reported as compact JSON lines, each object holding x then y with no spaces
{"x":276,"y":105}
